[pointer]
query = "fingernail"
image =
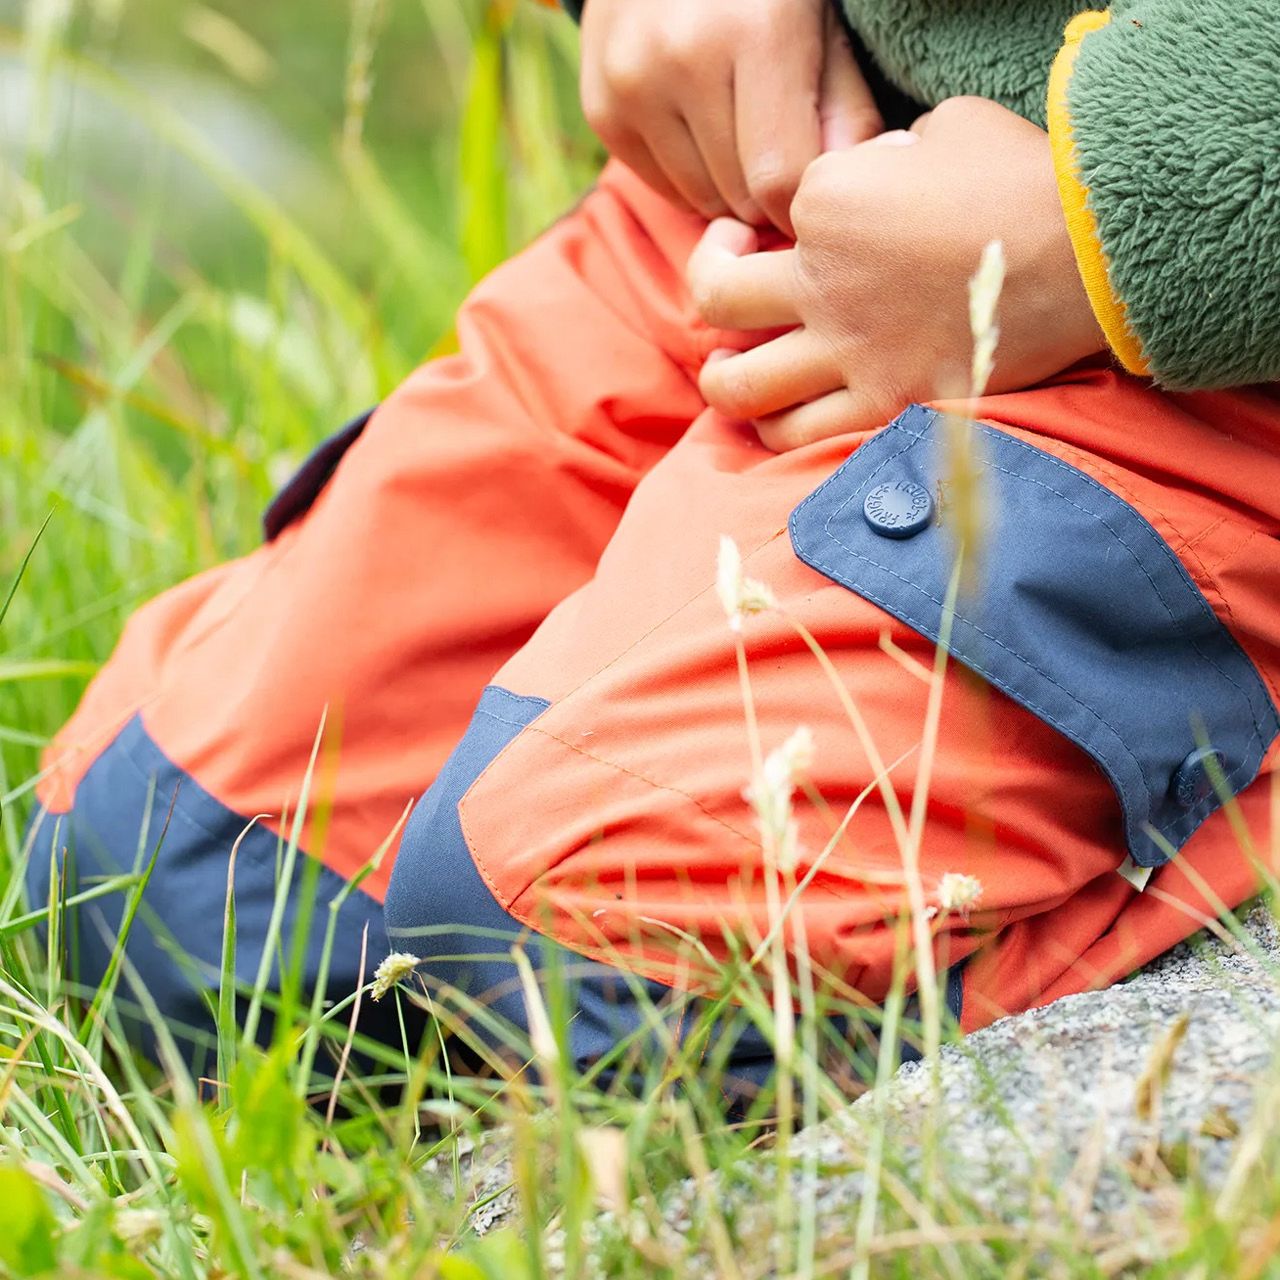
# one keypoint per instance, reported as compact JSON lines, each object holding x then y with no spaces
{"x":720,"y":353}
{"x":897,"y":138}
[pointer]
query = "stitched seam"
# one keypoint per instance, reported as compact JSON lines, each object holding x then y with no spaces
{"x":1188,"y":544}
{"x":1161,"y":546}
{"x":921,"y":624}
{"x":920,"y":438}
{"x":1185,"y":546}
{"x":840,"y":576}
{"x":657,"y":786}
{"x":500,"y":898}
{"x":915,"y":438}
{"x":519,"y":699}
{"x":662,"y":622}
{"x":1231,"y":556}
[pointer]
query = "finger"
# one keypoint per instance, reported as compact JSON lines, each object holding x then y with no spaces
{"x":835,"y":414}
{"x":767,"y":379}
{"x":632,"y":152}
{"x":735,"y":287}
{"x":896,"y":138}
{"x":611,"y":102}
{"x":775,"y":94}
{"x":674,"y":150}
{"x":847,"y":110}
{"x":711,"y":126}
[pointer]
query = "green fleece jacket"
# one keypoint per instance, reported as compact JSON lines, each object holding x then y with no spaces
{"x":1166,"y":136}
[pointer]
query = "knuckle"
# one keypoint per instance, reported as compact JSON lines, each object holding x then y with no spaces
{"x":735,"y":390}
{"x":687,"y":44}
{"x":626,"y":75}
{"x":812,"y":199}
{"x":819,"y":177}
{"x":829,"y":190}
{"x":707,"y":290}
{"x":804,"y":213}
{"x":771,"y":182}
{"x":722,"y":388}
{"x":956,"y":110}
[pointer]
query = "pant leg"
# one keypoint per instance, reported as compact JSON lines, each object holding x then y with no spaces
{"x":1120,"y":618}
{"x":408,"y":561}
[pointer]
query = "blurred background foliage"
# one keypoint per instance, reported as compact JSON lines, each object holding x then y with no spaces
{"x":225,"y":228}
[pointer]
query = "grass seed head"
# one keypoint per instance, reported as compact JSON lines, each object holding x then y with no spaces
{"x":391,"y":972}
{"x":739,"y":595}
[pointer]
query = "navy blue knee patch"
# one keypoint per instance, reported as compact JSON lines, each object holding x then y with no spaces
{"x":119,"y":813}
{"x":439,"y":908}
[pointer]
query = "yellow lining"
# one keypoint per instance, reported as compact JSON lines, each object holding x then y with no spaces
{"x":1081,"y":223}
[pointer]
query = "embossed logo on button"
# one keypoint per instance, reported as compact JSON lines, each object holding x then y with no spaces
{"x":898,"y":508}
{"x":1193,"y":783}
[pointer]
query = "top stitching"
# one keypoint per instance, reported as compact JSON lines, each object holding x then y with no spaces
{"x":1003,"y":437}
{"x":915,"y":438}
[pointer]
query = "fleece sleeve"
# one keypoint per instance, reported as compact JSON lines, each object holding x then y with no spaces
{"x":1162,"y":117}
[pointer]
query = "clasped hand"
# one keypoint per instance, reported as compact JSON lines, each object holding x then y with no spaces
{"x":873,"y":297}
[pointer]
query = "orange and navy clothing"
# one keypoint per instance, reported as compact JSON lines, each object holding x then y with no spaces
{"x":498,"y":591}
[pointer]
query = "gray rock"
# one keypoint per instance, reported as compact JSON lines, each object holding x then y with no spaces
{"x":1082,"y":1119}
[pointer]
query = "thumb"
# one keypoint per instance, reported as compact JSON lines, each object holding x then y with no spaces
{"x":846,"y":106}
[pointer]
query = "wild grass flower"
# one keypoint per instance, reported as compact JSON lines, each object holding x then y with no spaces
{"x":604,"y":1151}
{"x":956,"y":892}
{"x":739,"y":595}
{"x":984,"y":299}
{"x":964,"y":501}
{"x":392,"y":972}
{"x":546,"y":1049}
{"x":771,"y":794}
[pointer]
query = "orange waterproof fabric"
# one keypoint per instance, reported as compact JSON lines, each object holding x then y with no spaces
{"x":564,"y":464}
{"x":481,"y":493}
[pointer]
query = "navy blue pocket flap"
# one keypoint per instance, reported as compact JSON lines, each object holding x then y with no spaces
{"x":1084,"y":615}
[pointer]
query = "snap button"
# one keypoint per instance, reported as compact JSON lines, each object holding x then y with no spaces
{"x":1192,"y":783}
{"x":898,"y":509}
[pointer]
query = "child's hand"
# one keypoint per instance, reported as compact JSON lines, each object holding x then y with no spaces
{"x":888,"y":236}
{"x":721,"y":104}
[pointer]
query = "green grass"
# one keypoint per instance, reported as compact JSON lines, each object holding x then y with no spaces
{"x":187,"y":306}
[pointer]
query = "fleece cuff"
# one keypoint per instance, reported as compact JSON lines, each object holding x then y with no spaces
{"x":1082,"y":225}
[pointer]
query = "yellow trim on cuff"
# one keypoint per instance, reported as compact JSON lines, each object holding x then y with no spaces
{"x":1082,"y":225}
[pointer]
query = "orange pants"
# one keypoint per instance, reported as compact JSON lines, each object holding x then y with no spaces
{"x":530,"y":528}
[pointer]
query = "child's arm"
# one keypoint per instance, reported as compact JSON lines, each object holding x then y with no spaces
{"x":720,"y":104}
